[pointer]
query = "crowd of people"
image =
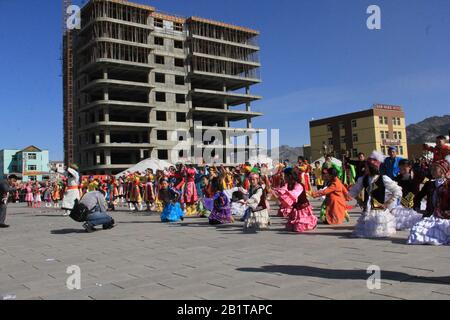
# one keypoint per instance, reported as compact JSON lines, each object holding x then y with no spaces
{"x":390,"y":191}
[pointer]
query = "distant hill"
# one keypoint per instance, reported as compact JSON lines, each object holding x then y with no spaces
{"x":428,"y":129}
{"x":290,"y":153}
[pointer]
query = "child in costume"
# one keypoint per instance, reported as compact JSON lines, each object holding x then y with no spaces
{"x":294,"y":204}
{"x":405,"y":215}
{"x":336,"y":198}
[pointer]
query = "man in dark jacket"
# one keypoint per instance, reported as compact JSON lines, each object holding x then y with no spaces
{"x":360,"y":165}
{"x":6,"y":186}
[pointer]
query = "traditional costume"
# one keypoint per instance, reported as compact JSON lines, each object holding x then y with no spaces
{"x":335,"y":202}
{"x":376,"y":221}
{"x":221,"y":212}
{"x":404,"y":213}
{"x":294,"y":205}
{"x":172,"y":210}
{"x":435,"y":230}
{"x":72,"y":192}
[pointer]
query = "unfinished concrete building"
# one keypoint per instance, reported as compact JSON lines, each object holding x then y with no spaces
{"x":146,"y":82}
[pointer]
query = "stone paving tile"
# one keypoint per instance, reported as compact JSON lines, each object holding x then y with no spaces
{"x":144,"y":259}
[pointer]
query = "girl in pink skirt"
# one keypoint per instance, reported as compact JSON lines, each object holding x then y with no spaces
{"x":29,"y":195}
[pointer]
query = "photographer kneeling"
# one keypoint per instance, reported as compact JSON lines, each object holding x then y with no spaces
{"x":92,"y":210}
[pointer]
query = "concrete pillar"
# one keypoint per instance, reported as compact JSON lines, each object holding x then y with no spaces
{"x":107,"y":136}
{"x":105,"y":73}
{"x":97,"y":138}
{"x":106,"y":114}
{"x":247,"y":90}
{"x":105,"y":94}
{"x":108,"y":157}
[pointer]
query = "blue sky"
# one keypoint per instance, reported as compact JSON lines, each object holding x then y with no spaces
{"x":318,"y":59}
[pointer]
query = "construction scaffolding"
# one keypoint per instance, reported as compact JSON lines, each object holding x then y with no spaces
{"x":67,"y":65}
{"x":118,"y":10}
{"x":210,"y":29}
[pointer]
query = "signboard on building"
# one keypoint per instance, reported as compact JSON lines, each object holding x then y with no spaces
{"x":391,"y":142}
{"x":387,"y":107}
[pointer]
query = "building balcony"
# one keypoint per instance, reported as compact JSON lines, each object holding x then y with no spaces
{"x":118,"y":145}
{"x":100,"y":63}
{"x":222,"y":58}
{"x":213,"y":98}
{"x":127,"y":126}
{"x":232,"y":82}
{"x":124,"y":104}
{"x":217,"y":115}
{"x":231,"y":43}
{"x":96,"y":40}
{"x":119,"y":84}
{"x":85,"y":27}
{"x":231,"y":131}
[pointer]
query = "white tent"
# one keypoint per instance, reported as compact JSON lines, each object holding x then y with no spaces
{"x":333,"y":160}
{"x":147,"y":164}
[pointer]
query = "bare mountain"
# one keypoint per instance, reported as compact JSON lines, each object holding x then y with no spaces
{"x":428,"y":129}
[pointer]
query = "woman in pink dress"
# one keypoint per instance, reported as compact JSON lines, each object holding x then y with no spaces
{"x":29,"y":195}
{"x":190,"y":196}
{"x":294,"y":204}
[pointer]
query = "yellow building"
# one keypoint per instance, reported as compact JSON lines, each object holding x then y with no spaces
{"x":364,"y":131}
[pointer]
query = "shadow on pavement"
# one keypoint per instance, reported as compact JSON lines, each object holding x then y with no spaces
{"x":345,"y":274}
{"x":67,"y":231}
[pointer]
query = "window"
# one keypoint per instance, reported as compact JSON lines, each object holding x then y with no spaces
{"x":329,"y":128}
{"x":355,"y":137}
{"x":383,"y":150}
{"x":181,"y":117}
{"x":342,"y":139}
{"x":178,"y":44}
{"x":159,"y":41}
{"x":32,"y":178}
{"x":32,"y":156}
{"x":161,"y":116}
{"x":160,"y":96}
{"x":159,"y":23}
{"x":178,"y":26}
{"x":179,"y":80}
{"x":399,"y":122}
{"x":181,"y":154}
{"x":387,"y":135}
{"x":382,"y":135}
{"x":399,"y":135}
{"x":163,"y":155}
{"x":179,"y":62}
{"x":401,"y":150}
{"x":381,"y":120}
{"x":354,"y":124}
{"x":386,"y":120}
{"x":330,"y":141}
{"x":159,"y":59}
{"x":160,"y":77}
{"x":395,"y":135}
{"x":161,"y":135}
{"x":180,"y":98}
{"x":32,"y":168}
{"x":355,"y":153}
{"x":342,"y":125}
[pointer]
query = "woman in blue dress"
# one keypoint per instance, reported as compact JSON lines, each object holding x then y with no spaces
{"x":169,"y":197}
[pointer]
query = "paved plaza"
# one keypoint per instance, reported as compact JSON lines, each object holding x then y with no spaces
{"x":143,"y":258}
